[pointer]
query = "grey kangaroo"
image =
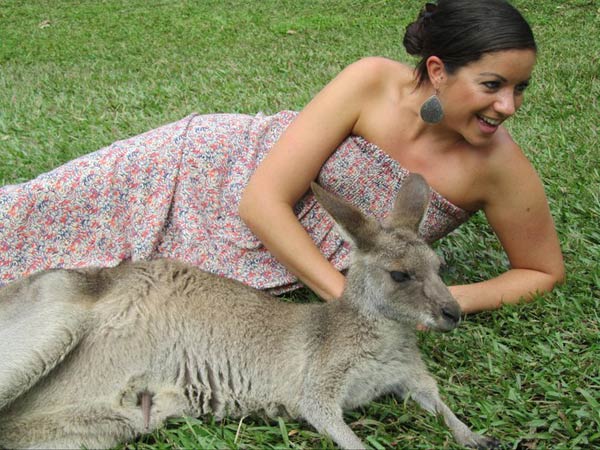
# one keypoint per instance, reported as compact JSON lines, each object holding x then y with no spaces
{"x":95,"y":357}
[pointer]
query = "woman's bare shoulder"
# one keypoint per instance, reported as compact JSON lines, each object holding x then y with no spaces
{"x":507,"y":153}
{"x":381,"y":70}
{"x":507,"y":165}
{"x":382,"y":62}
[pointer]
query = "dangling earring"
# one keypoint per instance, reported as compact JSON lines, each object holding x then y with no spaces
{"x":432,"y":111}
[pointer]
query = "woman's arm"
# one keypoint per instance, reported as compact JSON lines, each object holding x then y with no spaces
{"x":295,"y":160}
{"x":517,"y":210}
{"x":510,"y":287}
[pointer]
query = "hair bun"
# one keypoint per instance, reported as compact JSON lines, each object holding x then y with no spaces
{"x":459,"y":32}
{"x":416,"y":32}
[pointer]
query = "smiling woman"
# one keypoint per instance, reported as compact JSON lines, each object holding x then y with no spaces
{"x":491,"y":87}
{"x":466,"y":33}
{"x":230,"y":193}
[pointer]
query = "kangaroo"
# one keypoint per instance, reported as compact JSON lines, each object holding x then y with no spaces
{"x":95,"y":357}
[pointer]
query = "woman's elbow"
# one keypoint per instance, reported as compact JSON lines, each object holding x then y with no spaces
{"x":555,"y":277}
{"x":246,"y":208}
{"x":559,"y":276}
{"x":254,"y":207}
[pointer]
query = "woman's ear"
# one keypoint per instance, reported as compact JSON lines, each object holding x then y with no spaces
{"x":436,"y":71}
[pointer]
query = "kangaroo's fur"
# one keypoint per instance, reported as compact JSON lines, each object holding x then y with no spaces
{"x":97,"y":356}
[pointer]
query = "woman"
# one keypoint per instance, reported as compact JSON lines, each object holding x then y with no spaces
{"x":229,"y":192}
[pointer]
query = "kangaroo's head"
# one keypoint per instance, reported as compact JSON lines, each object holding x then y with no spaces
{"x":394,"y":273}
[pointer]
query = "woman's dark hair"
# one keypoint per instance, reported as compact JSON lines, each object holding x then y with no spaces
{"x":462,"y":31}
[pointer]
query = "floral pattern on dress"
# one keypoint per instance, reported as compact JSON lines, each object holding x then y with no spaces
{"x":174,"y":192}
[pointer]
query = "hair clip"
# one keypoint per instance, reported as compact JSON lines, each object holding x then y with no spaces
{"x":429,"y":10}
{"x":430,"y":7}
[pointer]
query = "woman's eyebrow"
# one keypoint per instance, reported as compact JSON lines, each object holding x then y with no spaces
{"x":488,"y":74}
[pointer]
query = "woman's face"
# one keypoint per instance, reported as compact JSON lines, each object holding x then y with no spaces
{"x":478,"y":97}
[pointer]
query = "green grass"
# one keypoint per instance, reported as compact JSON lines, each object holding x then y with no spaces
{"x":78,"y":75}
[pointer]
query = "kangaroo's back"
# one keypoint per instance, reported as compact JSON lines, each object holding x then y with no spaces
{"x":161,"y":318}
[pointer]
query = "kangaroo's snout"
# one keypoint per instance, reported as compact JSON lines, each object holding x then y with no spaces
{"x":450,"y":316}
{"x":446,"y":312}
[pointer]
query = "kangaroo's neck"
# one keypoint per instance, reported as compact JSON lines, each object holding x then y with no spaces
{"x":360,"y":294}
{"x":348,"y":318}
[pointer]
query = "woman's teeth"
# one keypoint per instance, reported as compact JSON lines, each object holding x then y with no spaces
{"x":491,"y":122}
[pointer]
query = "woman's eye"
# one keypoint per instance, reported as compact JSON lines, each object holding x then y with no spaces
{"x":521,"y":88}
{"x":399,"y":277}
{"x":491,"y":84}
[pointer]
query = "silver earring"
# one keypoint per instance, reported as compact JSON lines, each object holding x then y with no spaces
{"x":432,"y":111}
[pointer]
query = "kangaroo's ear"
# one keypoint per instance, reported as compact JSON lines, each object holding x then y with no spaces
{"x":354,"y":225}
{"x":410,"y":205}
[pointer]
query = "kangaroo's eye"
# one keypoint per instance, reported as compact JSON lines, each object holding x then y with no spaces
{"x":399,"y":277}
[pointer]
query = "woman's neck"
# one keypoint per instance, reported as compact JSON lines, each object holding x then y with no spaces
{"x":439,"y":136}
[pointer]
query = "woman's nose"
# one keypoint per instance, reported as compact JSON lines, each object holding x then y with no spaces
{"x":506,"y":104}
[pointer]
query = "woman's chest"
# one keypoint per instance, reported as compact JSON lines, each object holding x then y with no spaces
{"x":458,"y":174}
{"x":456,"y":170}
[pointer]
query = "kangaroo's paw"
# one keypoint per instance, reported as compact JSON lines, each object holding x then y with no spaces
{"x":169,"y":402}
{"x":478,"y":441}
{"x":152,"y":404}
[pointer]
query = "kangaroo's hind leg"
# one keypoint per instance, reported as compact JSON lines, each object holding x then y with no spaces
{"x":96,"y":423}
{"x":72,"y":427}
{"x":42,"y":318}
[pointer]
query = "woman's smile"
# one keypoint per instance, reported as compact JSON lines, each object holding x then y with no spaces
{"x":485,"y":93}
{"x":488,"y":125}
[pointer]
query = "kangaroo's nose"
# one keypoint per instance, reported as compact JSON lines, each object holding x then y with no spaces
{"x":451,"y":314}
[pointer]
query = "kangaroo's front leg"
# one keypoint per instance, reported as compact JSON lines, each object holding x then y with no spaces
{"x":152,"y":404}
{"x":423,"y":389}
{"x":329,"y":420}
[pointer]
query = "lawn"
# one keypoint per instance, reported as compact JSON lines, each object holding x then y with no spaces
{"x":78,"y":75}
